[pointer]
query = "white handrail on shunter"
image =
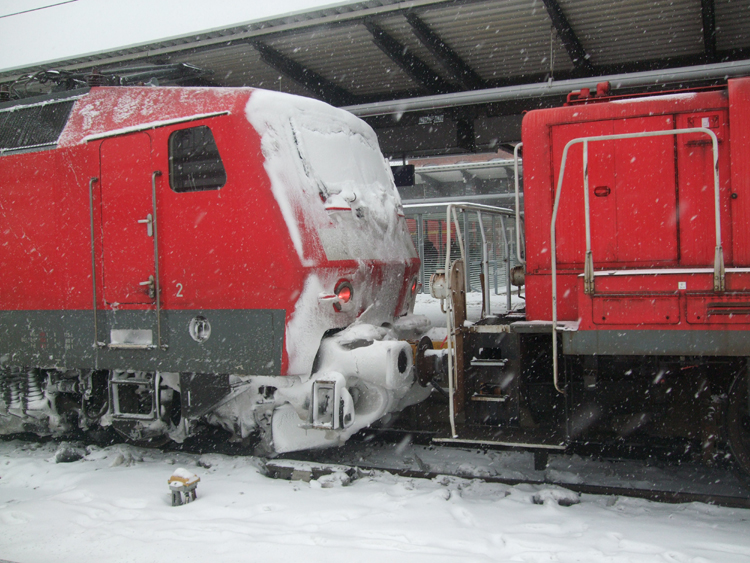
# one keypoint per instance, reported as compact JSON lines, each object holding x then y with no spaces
{"x":719,"y":272}
{"x":521,"y":259}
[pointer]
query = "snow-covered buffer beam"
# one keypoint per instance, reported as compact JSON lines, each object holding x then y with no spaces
{"x":361,"y":377}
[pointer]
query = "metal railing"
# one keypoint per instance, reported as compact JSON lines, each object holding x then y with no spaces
{"x":718,"y":273}
{"x":427,"y":226}
{"x":452,"y":220}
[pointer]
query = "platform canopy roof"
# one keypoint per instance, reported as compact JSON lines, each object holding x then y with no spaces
{"x":370,"y":53}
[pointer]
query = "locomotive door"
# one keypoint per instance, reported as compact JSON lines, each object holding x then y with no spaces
{"x":571,"y":240}
{"x":696,"y":193}
{"x":628,"y":223}
{"x":127,"y":220}
{"x":646,"y":218}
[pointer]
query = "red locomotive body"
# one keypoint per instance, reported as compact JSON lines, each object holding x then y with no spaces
{"x":168,"y":254}
{"x":652,"y":220}
{"x":174,"y":249}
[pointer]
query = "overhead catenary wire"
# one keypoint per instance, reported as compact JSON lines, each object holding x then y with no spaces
{"x":37,"y":9}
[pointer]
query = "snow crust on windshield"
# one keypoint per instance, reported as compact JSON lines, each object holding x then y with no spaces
{"x":327,"y":174}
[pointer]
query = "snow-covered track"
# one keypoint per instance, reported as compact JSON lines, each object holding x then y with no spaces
{"x":649,"y":479}
{"x":285,"y":469}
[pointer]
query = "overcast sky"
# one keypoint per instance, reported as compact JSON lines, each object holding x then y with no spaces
{"x":44,"y":31}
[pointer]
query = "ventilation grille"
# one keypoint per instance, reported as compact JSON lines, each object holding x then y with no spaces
{"x":34,"y":126}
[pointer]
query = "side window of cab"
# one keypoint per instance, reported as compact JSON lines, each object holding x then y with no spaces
{"x":194,"y":161}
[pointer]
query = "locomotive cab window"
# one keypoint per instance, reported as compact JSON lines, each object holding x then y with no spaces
{"x":194,"y":161}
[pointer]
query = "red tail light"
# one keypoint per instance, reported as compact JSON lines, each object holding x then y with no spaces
{"x":344,"y":293}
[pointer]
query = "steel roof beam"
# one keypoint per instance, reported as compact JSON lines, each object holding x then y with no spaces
{"x":314,"y":82}
{"x":447,"y":57}
{"x":412,"y":65}
{"x":568,"y":37}
{"x":708,"y":15}
{"x":662,"y":77}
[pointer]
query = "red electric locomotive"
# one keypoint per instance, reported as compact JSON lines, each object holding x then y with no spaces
{"x":637,"y":282}
{"x":168,"y":253}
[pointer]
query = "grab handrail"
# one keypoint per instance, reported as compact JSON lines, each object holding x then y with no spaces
{"x":719,"y":270}
{"x":93,"y":181}
{"x":521,"y":259}
{"x":157,"y":286}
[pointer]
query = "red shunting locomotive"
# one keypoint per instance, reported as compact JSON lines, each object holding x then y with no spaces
{"x":167,"y":254}
{"x":637,"y":283}
{"x":652,"y":252}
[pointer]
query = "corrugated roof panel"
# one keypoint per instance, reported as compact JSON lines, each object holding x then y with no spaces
{"x":500,"y":39}
{"x":732,"y":24}
{"x":616,"y":31}
{"x":241,"y":65}
{"x":167,"y":47}
{"x":346,"y":56}
{"x":399,"y":29}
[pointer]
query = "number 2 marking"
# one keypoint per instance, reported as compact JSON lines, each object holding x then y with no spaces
{"x":179,"y":290}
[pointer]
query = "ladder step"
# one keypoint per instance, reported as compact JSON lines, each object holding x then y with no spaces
{"x":490,"y":398}
{"x":524,"y":445}
{"x":488,"y":363}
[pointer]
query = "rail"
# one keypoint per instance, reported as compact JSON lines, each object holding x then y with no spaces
{"x":451,"y":216}
{"x":588,"y":283}
{"x":290,"y":469}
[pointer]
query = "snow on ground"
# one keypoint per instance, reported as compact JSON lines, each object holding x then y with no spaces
{"x":115,"y":505}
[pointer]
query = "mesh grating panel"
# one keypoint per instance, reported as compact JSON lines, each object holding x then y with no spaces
{"x":33,"y":126}
{"x":433,"y":246}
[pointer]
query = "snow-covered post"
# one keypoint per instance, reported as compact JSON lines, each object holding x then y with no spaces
{"x":182,"y":483}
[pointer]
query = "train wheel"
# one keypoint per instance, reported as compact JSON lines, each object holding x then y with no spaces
{"x":737,"y":423}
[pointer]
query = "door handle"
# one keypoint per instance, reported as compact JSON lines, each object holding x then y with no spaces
{"x":149,"y":222}
{"x":151,"y":286}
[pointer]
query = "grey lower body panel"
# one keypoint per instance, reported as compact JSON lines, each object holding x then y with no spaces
{"x":241,"y":341}
{"x":657,"y":342}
